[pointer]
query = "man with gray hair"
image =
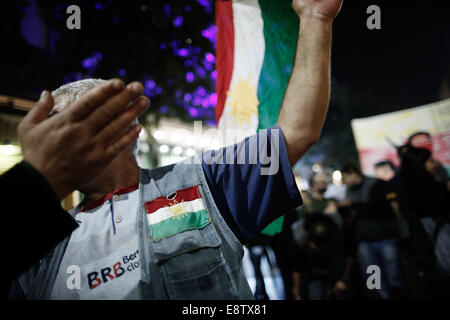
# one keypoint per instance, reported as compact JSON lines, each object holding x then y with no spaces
{"x":175,"y":232}
{"x":50,"y":144}
{"x":73,"y":91}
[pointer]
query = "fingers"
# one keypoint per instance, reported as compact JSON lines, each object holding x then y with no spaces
{"x":124,"y":141}
{"x":114,"y":106}
{"x":95,"y":97}
{"x":119,"y":124}
{"x":42,"y":108}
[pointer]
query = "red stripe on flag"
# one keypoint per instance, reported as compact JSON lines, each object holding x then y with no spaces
{"x":187,"y":194}
{"x":224,"y":52}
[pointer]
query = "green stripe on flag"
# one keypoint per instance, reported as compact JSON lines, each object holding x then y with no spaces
{"x":281,"y":26}
{"x":179,"y":223}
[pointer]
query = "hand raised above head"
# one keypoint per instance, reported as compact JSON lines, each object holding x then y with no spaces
{"x":323,"y":9}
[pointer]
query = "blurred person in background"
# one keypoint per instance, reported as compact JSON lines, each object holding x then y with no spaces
{"x":385,"y":170}
{"x":314,"y":200}
{"x":423,"y":140}
{"x":425,"y":202}
{"x":323,"y":259}
{"x":374,"y":211}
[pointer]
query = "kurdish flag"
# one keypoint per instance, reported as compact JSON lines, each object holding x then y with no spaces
{"x":256,"y":43}
{"x":179,"y":212}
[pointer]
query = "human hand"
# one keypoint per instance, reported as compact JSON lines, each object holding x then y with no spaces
{"x":323,"y":9}
{"x":74,"y":146}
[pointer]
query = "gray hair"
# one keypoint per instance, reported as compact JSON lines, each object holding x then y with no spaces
{"x":73,"y":91}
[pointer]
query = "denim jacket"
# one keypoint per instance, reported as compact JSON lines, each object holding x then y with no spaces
{"x":201,"y":263}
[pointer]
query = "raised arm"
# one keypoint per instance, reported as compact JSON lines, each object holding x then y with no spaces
{"x":307,"y":96}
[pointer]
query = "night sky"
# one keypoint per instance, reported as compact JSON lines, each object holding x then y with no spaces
{"x":403,"y":64}
{"x":170,"y":47}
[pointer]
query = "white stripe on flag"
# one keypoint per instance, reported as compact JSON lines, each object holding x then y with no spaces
{"x":169,"y":212}
{"x":249,"y":47}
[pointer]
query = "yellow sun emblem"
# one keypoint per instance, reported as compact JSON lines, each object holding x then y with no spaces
{"x":178,"y":210}
{"x":243,"y":101}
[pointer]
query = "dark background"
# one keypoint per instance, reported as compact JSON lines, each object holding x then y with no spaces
{"x":403,"y":65}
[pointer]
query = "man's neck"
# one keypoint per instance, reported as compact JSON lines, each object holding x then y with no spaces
{"x":121,"y":173}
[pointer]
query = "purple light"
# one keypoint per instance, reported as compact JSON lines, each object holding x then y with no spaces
{"x":173,"y":44}
{"x":197,"y":101}
{"x":150,"y":84}
{"x":214,"y":75}
{"x":122,"y":72}
{"x":193,"y":112}
{"x":158,"y":90}
{"x":163,"y":46}
{"x":201,"y":72}
{"x":163,"y":109}
{"x":183,"y":52}
{"x":213,"y":99}
{"x":187,"y":8}
{"x":188,"y":63}
{"x":178,"y":21}
{"x":187,"y":97}
{"x":211,"y":123}
{"x":98,"y":6}
{"x":91,"y":63}
{"x":167,"y":10}
{"x":205,"y":3}
{"x":208,"y":66}
{"x":210,"y":57}
{"x":205,"y":103}
{"x":210,"y":33}
{"x":201,"y":91}
{"x":189,"y":77}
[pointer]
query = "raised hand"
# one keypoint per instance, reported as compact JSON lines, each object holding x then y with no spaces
{"x":324,"y":9}
{"x":74,"y":146}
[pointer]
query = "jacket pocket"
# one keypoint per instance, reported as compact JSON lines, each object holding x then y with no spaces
{"x":193,"y":266}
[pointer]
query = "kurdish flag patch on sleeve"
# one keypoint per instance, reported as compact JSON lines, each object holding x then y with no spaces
{"x":176,"y":213}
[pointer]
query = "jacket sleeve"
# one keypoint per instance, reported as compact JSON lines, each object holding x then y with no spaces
{"x":32,"y":220}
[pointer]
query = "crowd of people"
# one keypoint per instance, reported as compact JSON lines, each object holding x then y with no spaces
{"x":387,"y":239}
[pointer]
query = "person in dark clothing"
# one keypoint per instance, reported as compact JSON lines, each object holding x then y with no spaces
{"x":384,"y":170}
{"x":314,"y":200}
{"x":33,"y":220}
{"x":323,"y":259}
{"x":423,"y":140}
{"x":425,"y":202}
{"x":282,"y":245}
{"x":375,"y":215}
